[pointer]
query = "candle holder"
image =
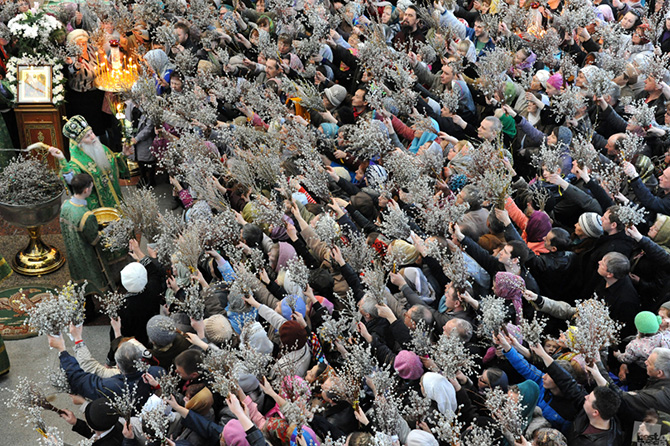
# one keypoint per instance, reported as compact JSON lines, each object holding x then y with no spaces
{"x":117,"y":75}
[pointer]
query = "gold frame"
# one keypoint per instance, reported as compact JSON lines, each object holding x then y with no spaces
{"x":35,"y":91}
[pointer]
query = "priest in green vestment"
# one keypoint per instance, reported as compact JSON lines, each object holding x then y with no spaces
{"x":79,"y":228}
{"x":89,"y":155}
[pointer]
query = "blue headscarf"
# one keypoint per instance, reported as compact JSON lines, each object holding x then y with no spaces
{"x":426,"y":137}
{"x":237,"y":320}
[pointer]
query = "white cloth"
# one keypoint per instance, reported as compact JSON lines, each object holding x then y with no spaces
{"x":437,"y":388}
{"x":134,"y":277}
{"x":419,"y":437}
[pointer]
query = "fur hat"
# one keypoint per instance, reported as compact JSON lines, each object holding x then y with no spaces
{"x":591,"y":224}
{"x":161,"y":330}
{"x":218,"y":329}
{"x":408,"y":365}
{"x":134,"y":277}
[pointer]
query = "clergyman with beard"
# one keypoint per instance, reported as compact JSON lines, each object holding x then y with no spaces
{"x":89,"y":155}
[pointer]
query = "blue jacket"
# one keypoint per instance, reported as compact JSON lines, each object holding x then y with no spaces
{"x":92,"y":386}
{"x":546,"y":399}
{"x":470,"y":34}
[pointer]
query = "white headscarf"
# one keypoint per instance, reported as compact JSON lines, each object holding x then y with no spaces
{"x":158,"y":61}
{"x":419,"y":437}
{"x":437,"y":388}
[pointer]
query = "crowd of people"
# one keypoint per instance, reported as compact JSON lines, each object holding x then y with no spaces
{"x":396,"y":219}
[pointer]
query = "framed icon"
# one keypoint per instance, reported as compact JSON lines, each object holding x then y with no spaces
{"x":34,"y":84}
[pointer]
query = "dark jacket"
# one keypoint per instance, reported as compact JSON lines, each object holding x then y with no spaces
{"x":165,"y":357}
{"x":551,"y":270}
{"x":575,"y":392}
{"x":657,"y":204}
{"x":623,"y":302}
{"x":654,"y":395}
{"x":113,"y":438}
{"x":618,"y":242}
{"x":92,"y":386}
{"x":652,"y":265}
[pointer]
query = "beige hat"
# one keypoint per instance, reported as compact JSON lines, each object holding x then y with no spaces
{"x":218,"y":329}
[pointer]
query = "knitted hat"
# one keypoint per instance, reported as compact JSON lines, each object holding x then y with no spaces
{"x":589,"y":71}
{"x":556,"y":81}
{"x":591,"y":224}
{"x":564,"y":136}
{"x":134,"y":277}
{"x":292,"y":335}
{"x":76,"y":128}
{"x":457,"y":182}
{"x":100,"y":416}
{"x":538,"y":226}
{"x":218,"y":329}
{"x":647,"y":322}
{"x":408,"y":365}
{"x":336,"y":94}
{"x":161,"y":330}
{"x":234,"y":435}
{"x":365,"y":205}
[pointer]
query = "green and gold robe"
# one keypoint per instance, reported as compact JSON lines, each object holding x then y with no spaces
{"x":106,"y":189}
{"x":79,"y":228}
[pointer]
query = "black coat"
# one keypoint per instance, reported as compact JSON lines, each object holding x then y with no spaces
{"x":140,"y":307}
{"x":618,"y":242}
{"x":114,"y":438}
{"x":623,"y":302}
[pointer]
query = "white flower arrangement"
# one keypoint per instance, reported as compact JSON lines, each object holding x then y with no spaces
{"x":57,"y":78}
{"x":34,"y":29}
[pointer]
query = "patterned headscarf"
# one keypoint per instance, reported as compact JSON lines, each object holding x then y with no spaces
{"x":510,"y":287}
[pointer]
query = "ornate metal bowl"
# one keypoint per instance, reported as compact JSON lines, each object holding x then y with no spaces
{"x":105,"y":216}
{"x":28,"y":216}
